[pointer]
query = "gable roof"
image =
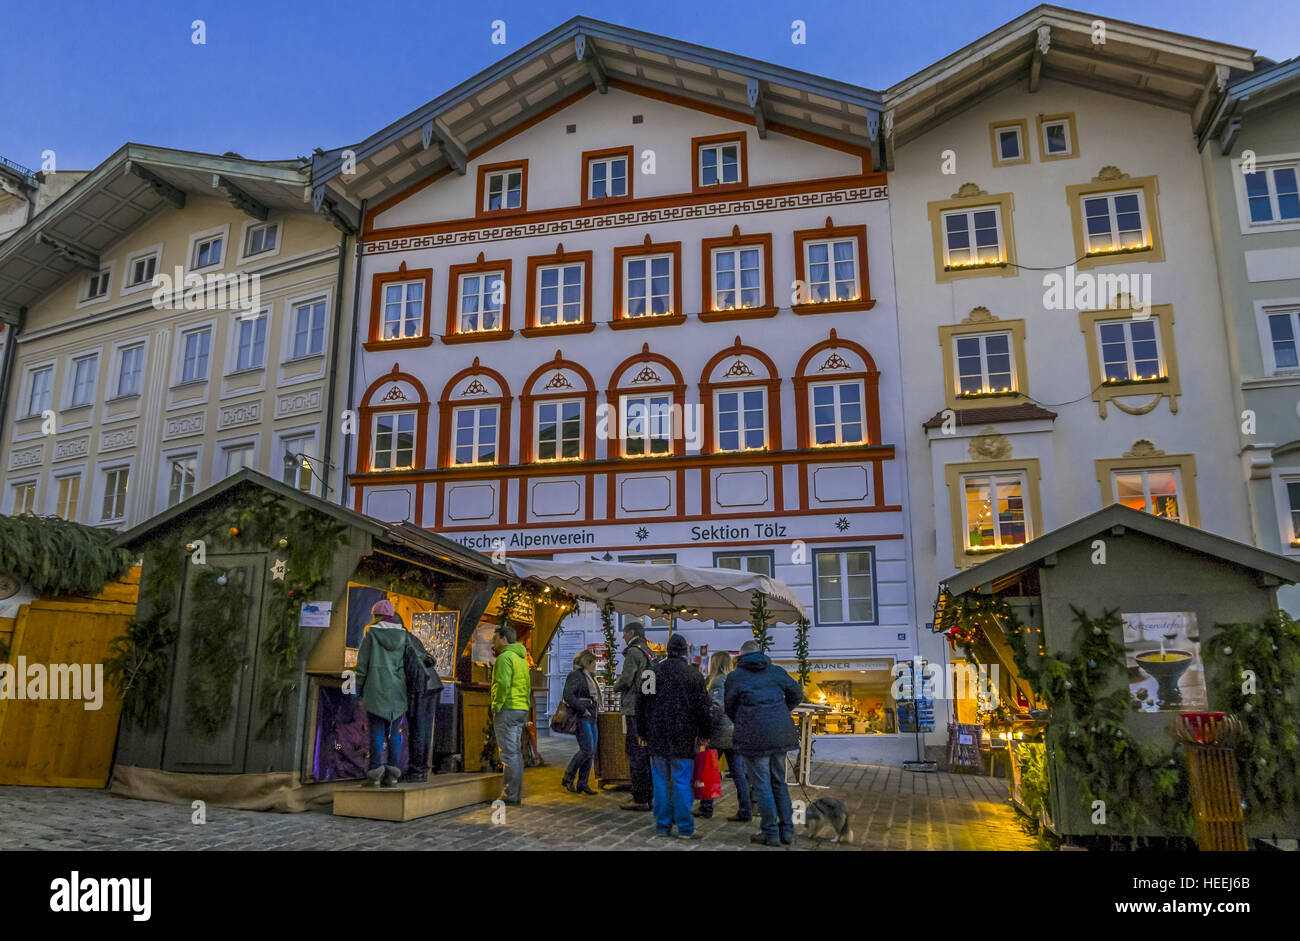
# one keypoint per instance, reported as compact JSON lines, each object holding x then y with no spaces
{"x":571,"y":60}
{"x":68,"y":236}
{"x":1082,"y":530}
{"x":1269,"y":84}
{"x":435,"y":548}
{"x":1151,"y":65}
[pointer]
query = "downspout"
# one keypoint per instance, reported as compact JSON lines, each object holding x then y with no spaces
{"x":7,"y":372}
{"x":352,"y":361}
{"x":334,"y":363}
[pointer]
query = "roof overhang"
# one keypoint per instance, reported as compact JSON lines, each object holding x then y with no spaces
{"x":578,"y":57}
{"x":1151,"y":65}
{"x":982,"y":577}
{"x":1248,"y":93}
{"x":121,"y":193}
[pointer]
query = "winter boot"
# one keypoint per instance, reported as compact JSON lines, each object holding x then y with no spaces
{"x":392,"y":775}
{"x":373,"y":776}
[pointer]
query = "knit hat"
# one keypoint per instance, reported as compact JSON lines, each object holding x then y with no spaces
{"x":382,"y":609}
{"x":677,"y":646}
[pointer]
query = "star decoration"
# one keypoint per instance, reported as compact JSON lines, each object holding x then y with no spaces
{"x":842,"y":524}
{"x":277,"y":570}
{"x":642,"y":534}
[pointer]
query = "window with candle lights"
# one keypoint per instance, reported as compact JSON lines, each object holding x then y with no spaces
{"x":831,"y":269}
{"x":1130,"y":351}
{"x":973,"y":238}
{"x":1115,"y":222}
{"x":984,"y":364}
{"x":1149,"y":480}
{"x":1115,"y":219}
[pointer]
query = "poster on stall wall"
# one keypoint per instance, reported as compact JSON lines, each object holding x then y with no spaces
{"x":481,"y":649}
{"x":1162,"y":651}
{"x":437,"y":631}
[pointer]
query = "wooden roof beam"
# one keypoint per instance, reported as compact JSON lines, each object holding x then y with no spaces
{"x":754,"y":92}
{"x":585,"y":50}
{"x":73,"y":253}
{"x":1036,"y":63}
{"x":161,"y":187}
{"x":241,"y":200}
{"x":452,"y":149}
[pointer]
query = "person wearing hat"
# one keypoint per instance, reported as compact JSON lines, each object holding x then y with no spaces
{"x":673,"y":716}
{"x":382,"y":682}
{"x":582,"y":696}
{"x":636,"y":661}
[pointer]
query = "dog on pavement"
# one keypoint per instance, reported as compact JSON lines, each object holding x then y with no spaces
{"x":828,"y":815}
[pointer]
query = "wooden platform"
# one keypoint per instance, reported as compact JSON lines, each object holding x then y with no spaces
{"x":442,"y":792}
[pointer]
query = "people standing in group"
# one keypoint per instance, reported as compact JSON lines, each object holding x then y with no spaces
{"x":511,"y":696}
{"x":636,"y":661}
{"x":381,"y":681}
{"x":758,"y":699}
{"x":673,"y":718}
{"x":582,"y":696}
{"x":721,"y":731}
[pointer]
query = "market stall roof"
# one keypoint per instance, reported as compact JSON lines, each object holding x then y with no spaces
{"x":438,"y":552}
{"x":1119,"y":517}
{"x":634,"y":588}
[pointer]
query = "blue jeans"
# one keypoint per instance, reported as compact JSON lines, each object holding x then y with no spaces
{"x":579,"y":769}
{"x":509,"y":726}
{"x":672,"y":793}
{"x":736,"y":764}
{"x":766,"y":773}
{"x":383,"y":734}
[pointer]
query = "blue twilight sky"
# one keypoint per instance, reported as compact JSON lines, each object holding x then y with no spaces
{"x":277,"y":78}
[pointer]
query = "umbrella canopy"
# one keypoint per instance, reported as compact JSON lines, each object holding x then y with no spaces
{"x":634,"y":588}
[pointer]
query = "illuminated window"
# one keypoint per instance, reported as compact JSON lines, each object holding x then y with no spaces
{"x":559,"y":295}
{"x":832,"y":268}
{"x":394,"y":441}
{"x":403,"y":310}
{"x":1115,"y":221}
{"x":559,"y":430}
{"x":1130,"y":350}
{"x":69,"y":493}
{"x":1293,"y":506}
{"x":837,"y":413}
{"x":741,"y":419}
{"x":475,"y":430}
{"x":115,"y":481}
{"x":482,"y":297}
{"x":647,"y":424}
{"x":1153,"y":491}
{"x":296,"y":468}
{"x":984,"y":364}
{"x":737,"y":278}
{"x":972,"y":237}
{"x":648,"y":285}
{"x":995,"y":511}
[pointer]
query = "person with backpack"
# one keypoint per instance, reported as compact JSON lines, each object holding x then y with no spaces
{"x":423,"y":688}
{"x":582,"y":696}
{"x":636,"y":661}
{"x":720,"y":737}
{"x":673,"y":716}
{"x":382,"y":683}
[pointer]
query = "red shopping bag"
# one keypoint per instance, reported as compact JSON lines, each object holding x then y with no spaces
{"x":707,"y":780}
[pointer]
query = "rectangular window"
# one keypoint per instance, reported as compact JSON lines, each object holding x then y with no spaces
{"x":237,"y":458}
{"x":559,"y":295}
{"x":69,"y":494}
{"x":1282,"y":338}
{"x":504,"y":190}
{"x":38,"y":396}
{"x":1292,"y":499}
{"x":719,"y":163}
{"x":297,"y":464}
{"x":309,"y":329}
{"x":115,"y":481}
{"x":647,"y":425}
{"x":207,"y":252}
{"x":995,"y":511}
{"x":261,"y":238}
{"x":1114,"y":222}
{"x":403,"y":310}
{"x":183,"y":478}
{"x":197,"y":347}
{"x":24,"y":499}
{"x":654,"y":621}
{"x":85,"y":371}
{"x":984,"y":364}
{"x":1273,"y":195}
{"x":481,"y":298}
{"x":837,"y":413}
{"x":845,"y":587}
{"x":1010,"y":146}
{"x":143,"y":269}
{"x":648,"y":286}
{"x":832,"y":268}
{"x":1056,"y":138}
{"x":251,"y":350}
{"x":742,"y":419}
{"x":476,"y":435}
{"x":758,"y":563}
{"x":559,"y":431}
{"x":394,"y":441}
{"x":737,"y":278}
{"x":1153,"y":491}
{"x":972,"y":237}
{"x":1130,"y":350}
{"x":606,"y":177}
{"x":97,"y":285}
{"x":130,"y":372}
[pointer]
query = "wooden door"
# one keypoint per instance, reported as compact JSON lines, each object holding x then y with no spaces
{"x":188,"y":745}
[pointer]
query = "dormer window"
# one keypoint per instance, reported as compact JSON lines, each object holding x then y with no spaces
{"x":503,"y":187}
{"x":719,"y":163}
{"x":96,"y":285}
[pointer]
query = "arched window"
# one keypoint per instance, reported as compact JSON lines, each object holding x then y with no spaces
{"x":647,"y":398}
{"x":394,"y":416}
{"x":837,"y":400}
{"x":474,"y":419}
{"x":559,"y":414}
{"x":741,"y":395}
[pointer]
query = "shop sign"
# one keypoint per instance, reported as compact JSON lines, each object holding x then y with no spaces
{"x":833,"y":666}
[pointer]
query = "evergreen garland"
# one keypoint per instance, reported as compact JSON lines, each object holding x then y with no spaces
{"x":801,"y":650}
{"x":58,"y":557}
{"x":139,"y":659}
{"x":607,"y":628}
{"x":758,"y":618}
{"x":216,"y":653}
{"x":398,"y":577}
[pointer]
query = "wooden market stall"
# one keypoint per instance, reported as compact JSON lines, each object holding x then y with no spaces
{"x":1103,"y":633}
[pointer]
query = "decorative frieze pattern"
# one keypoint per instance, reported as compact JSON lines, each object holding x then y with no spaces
{"x":233,"y":416}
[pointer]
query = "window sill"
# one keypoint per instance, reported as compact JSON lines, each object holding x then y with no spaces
{"x":406,"y":343}
{"x":115,"y":399}
{"x":481,"y":336}
{"x":605,"y":200}
{"x":984,"y":266}
{"x":1135,"y":383}
{"x":1094,"y":256}
{"x":302,"y":359}
{"x":83,"y":406}
{"x":247,"y":371}
{"x":187,"y":384}
{"x":558,"y":330}
{"x":635,"y":323}
{"x":985,"y":396}
{"x":701,"y":188}
{"x":832,"y":307}
{"x":738,"y":313}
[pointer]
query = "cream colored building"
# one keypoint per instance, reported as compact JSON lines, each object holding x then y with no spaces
{"x":122,"y":397}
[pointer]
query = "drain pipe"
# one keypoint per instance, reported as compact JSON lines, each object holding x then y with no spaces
{"x":352,"y":360}
{"x":334,"y":360}
{"x":7,"y":372}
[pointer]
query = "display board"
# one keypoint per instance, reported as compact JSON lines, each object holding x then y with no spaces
{"x":1162,"y":650}
{"x":437,"y":631}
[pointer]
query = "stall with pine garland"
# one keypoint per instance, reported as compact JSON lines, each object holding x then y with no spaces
{"x":1112,"y":637}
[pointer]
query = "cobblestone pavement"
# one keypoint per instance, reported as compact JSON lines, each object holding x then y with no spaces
{"x":892,"y":810}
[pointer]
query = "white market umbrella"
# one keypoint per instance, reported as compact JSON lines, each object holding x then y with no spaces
{"x":678,"y":590}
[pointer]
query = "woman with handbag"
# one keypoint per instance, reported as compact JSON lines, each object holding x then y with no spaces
{"x":582,"y":701}
{"x":721,"y":738}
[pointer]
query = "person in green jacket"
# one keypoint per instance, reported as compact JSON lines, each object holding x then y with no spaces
{"x":382,"y":682}
{"x":512,"y":693}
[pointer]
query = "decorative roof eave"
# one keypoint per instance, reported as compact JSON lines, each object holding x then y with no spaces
{"x":1245,"y":94}
{"x":428,"y":128}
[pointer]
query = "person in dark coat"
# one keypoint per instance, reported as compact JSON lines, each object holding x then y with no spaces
{"x":758,"y":699}
{"x":673,"y":719}
{"x":636,"y":661}
{"x":423,"y":688}
{"x":582,"y":696}
{"x":720,"y":737}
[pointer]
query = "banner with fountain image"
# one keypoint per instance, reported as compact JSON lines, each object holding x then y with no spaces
{"x":1163,"y":654}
